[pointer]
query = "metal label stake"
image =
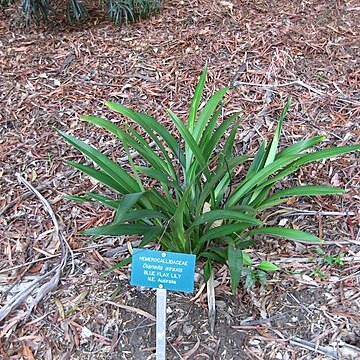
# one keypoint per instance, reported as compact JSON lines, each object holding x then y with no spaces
{"x":160,"y":324}
{"x":162,"y":270}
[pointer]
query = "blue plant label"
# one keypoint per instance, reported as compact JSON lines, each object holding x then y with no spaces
{"x":163,"y":270}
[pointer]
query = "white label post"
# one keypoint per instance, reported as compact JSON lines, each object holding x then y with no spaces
{"x":160,"y":324}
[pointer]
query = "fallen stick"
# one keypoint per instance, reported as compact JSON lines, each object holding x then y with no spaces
{"x":53,"y":282}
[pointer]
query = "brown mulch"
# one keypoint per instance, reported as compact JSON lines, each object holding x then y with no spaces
{"x":49,"y":76}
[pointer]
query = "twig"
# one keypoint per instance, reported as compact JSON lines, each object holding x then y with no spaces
{"x":308,"y":345}
{"x":56,"y":271}
{"x":21,"y":198}
{"x":299,"y":83}
{"x":54,"y":256}
{"x":292,"y":211}
{"x":295,"y":82}
{"x":31,"y":192}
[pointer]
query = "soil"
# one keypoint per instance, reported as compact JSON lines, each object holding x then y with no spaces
{"x":52,"y":74}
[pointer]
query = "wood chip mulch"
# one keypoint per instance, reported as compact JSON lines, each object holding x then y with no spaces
{"x":270,"y":50}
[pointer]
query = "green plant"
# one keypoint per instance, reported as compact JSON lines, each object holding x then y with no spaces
{"x":75,"y":10}
{"x":5,"y":2}
{"x":329,"y":259}
{"x":120,"y":11}
{"x":197,"y":205}
{"x":124,"y":11}
{"x":36,"y":9}
{"x":256,"y":274}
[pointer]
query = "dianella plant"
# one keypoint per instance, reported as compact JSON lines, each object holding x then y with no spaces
{"x":197,"y":205}
{"x":119,"y":11}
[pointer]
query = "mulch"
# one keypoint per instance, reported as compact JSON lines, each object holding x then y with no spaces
{"x":269,"y":50}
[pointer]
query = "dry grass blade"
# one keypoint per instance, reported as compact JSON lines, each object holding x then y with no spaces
{"x":132,"y":309}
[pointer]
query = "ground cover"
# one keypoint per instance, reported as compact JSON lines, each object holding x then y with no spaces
{"x":270,"y":51}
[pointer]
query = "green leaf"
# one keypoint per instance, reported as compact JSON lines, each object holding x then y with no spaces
{"x":250,"y":280}
{"x":114,"y":204}
{"x":209,"y":144}
{"x":246,"y":259}
{"x":120,"y":264}
{"x":191,"y":143}
{"x":301,"y":146}
{"x":159,"y":176}
{"x":207,"y":270}
{"x":206,"y":113}
{"x":221,"y":214}
{"x":99,"y":176}
{"x":143,"y":148}
{"x":261,"y":276}
{"x":196,"y":100}
{"x":244,"y":244}
{"x":149,"y":124}
{"x":221,"y":231}
{"x":108,"y":166}
{"x":151,"y":235}
{"x":209,"y":131}
{"x":248,"y":185}
{"x":167,"y":205}
{"x":141,"y":214}
{"x":306,"y":158}
{"x":292,"y":234}
{"x":179,"y":224}
{"x":216,"y":178}
{"x":325,"y":154}
{"x":304,"y":191}
{"x":78,"y":198}
{"x":127,"y":203}
{"x":268,"y":266}
{"x":271,"y":152}
{"x":235,"y":263}
{"x":213,"y":256}
{"x":320,"y":251}
{"x":117,"y":230}
{"x":258,"y":161}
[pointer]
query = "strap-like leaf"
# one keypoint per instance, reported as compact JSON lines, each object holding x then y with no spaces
{"x":307,"y":158}
{"x":140,"y":214}
{"x":218,"y":232}
{"x":248,"y":185}
{"x":149,"y":125}
{"x":258,"y":161}
{"x":272,"y":150}
{"x":210,"y":186}
{"x":127,"y":203}
{"x":190,"y":141}
{"x":196,"y":100}
{"x":212,"y":256}
{"x":99,"y":176}
{"x":235,"y":262}
{"x":151,"y":236}
{"x":292,"y":234}
{"x":214,"y":215}
{"x":122,"y":229}
{"x":210,"y":145}
{"x":206,"y":113}
{"x":112,"y":169}
{"x":301,"y":146}
{"x":304,"y":191}
{"x":114,"y":204}
{"x":159,"y":176}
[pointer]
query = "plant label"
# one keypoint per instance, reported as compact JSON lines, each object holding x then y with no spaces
{"x":163,"y":270}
